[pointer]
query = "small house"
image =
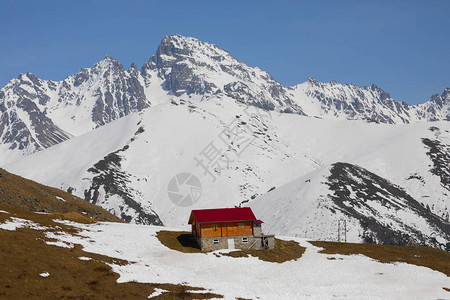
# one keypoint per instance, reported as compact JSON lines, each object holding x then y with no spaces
{"x":229,"y":228}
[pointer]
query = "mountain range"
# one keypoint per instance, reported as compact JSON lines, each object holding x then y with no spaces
{"x":37,"y":114}
{"x":303,"y":157}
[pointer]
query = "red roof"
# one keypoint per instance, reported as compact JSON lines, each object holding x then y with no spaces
{"x":222,"y":215}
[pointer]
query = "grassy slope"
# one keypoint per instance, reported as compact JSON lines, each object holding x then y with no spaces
{"x":432,"y":258}
{"x":23,"y":193}
{"x":24,"y":255}
{"x":283,"y":251}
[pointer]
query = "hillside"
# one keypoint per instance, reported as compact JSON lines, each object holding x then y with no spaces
{"x":372,"y":209}
{"x":36,"y":265}
{"x":16,"y":191}
{"x":126,"y":261}
{"x":126,"y":167}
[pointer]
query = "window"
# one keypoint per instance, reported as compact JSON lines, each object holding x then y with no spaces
{"x":215,"y":241}
{"x":215,"y":227}
{"x":241,"y":226}
{"x":245,"y":240}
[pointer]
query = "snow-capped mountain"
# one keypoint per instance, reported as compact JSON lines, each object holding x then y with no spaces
{"x":302,"y":156}
{"x":24,"y":126}
{"x":348,"y":101}
{"x":36,"y":114}
{"x":189,"y":66}
{"x":437,"y":108}
{"x":390,"y":178}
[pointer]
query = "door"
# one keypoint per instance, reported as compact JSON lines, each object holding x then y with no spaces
{"x":230,"y":243}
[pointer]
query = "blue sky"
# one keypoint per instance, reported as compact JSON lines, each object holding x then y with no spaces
{"x":402,"y":46}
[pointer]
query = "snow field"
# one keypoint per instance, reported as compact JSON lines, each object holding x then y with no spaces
{"x":313,"y":276}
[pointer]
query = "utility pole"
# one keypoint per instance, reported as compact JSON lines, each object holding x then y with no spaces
{"x":339,"y":231}
{"x":342,"y":230}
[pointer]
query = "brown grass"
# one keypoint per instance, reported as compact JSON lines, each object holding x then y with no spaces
{"x":432,"y":258}
{"x":178,"y":240}
{"x":283,"y":251}
{"x":23,"y":193}
{"x":183,"y":242}
{"x":24,"y":255}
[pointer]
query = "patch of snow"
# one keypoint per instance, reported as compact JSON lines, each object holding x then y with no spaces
{"x":15,"y":223}
{"x":84,"y":258}
{"x":157,"y":292}
{"x":60,"y":244}
{"x":61,"y":199}
{"x":5,"y":212}
{"x":44,"y":274}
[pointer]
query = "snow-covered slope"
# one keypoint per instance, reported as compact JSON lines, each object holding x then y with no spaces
{"x":314,"y":276}
{"x":239,"y":152}
{"x":36,"y":114}
{"x":348,"y":202}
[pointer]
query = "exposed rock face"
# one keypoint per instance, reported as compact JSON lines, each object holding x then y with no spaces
{"x":349,"y":101}
{"x":189,"y":66}
{"x":24,"y":126}
{"x":437,"y":108}
{"x":116,"y":91}
{"x":375,"y":203}
{"x":439,"y":154}
{"x":117,"y":196}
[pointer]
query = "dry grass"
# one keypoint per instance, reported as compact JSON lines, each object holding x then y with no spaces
{"x":432,"y":258}
{"x":283,"y":251}
{"x":23,"y":193}
{"x":24,"y":255}
{"x":178,"y":240}
{"x":183,"y":242}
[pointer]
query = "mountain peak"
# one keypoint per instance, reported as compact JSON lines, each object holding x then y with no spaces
{"x":108,"y":63}
{"x":28,"y":77}
{"x":441,"y":100}
{"x":109,"y":60}
{"x":446,"y":94}
{"x":182,"y":40}
{"x":312,"y":80}
{"x":176,"y":44}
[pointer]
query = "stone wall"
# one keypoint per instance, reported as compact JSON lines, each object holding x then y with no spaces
{"x":207,"y":244}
